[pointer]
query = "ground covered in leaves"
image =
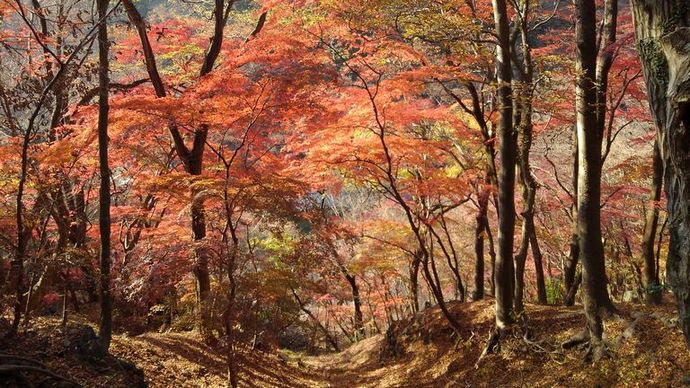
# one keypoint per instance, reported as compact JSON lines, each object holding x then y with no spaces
{"x":645,"y":347}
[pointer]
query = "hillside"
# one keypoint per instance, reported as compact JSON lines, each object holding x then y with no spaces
{"x":645,"y":349}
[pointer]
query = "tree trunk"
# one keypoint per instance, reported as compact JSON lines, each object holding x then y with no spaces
{"x":574,"y":252}
{"x":333,"y":341}
{"x":524,"y":87}
{"x":479,"y":233}
{"x":539,"y":267}
{"x":506,"y":180}
{"x":414,"y":282}
{"x":357,"y":301}
{"x":105,"y":327}
{"x":492,"y":256}
{"x":201,"y":273}
{"x":652,"y":285}
{"x":662,"y":33}
{"x":594,"y":279}
{"x":569,"y":298}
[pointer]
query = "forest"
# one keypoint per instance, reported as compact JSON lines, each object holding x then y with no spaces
{"x":361,"y":193}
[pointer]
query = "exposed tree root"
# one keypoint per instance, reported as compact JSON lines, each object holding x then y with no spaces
{"x":596,"y":349}
{"x":519,"y":329}
{"x":580,"y":338}
{"x":493,"y":345}
{"x":16,"y":367}
{"x":630,"y":329}
{"x":13,"y":357}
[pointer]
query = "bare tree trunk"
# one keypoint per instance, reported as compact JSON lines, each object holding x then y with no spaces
{"x":523,"y":86}
{"x":105,"y":327}
{"x":652,"y":285}
{"x":539,"y":267}
{"x":662,"y":33}
{"x":16,"y":275}
{"x":574,"y":252}
{"x":356,"y":300}
{"x":479,"y":233}
{"x":492,"y":256}
{"x":332,"y":340}
{"x":506,"y":180}
{"x":414,"y":282}
{"x":594,"y":279}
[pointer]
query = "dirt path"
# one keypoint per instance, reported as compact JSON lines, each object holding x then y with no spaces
{"x":182,"y":360}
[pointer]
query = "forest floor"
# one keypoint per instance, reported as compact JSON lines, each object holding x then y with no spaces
{"x":646,"y":349}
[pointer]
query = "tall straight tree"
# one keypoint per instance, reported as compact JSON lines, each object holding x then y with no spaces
{"x":663,"y":37}
{"x":596,"y":298}
{"x":507,"y":138}
{"x":604,"y":60}
{"x":106,"y":324}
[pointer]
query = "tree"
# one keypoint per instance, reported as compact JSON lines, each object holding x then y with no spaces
{"x":191,"y":157}
{"x":524,"y":87}
{"x":594,"y":278}
{"x":505,"y":272}
{"x":105,"y":328}
{"x":29,"y":135}
{"x":662,"y":33}
{"x":653,"y":292}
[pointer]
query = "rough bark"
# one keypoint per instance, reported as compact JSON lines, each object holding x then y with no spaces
{"x":663,"y":38}
{"x":506,"y":180}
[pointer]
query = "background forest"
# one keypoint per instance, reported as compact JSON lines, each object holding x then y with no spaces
{"x":302,"y":177}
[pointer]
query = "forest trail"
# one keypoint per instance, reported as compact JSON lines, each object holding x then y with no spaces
{"x":182,"y":359}
{"x":645,"y":346}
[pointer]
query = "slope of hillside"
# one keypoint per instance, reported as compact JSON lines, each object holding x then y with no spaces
{"x":645,"y":349}
{"x":151,"y":359}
